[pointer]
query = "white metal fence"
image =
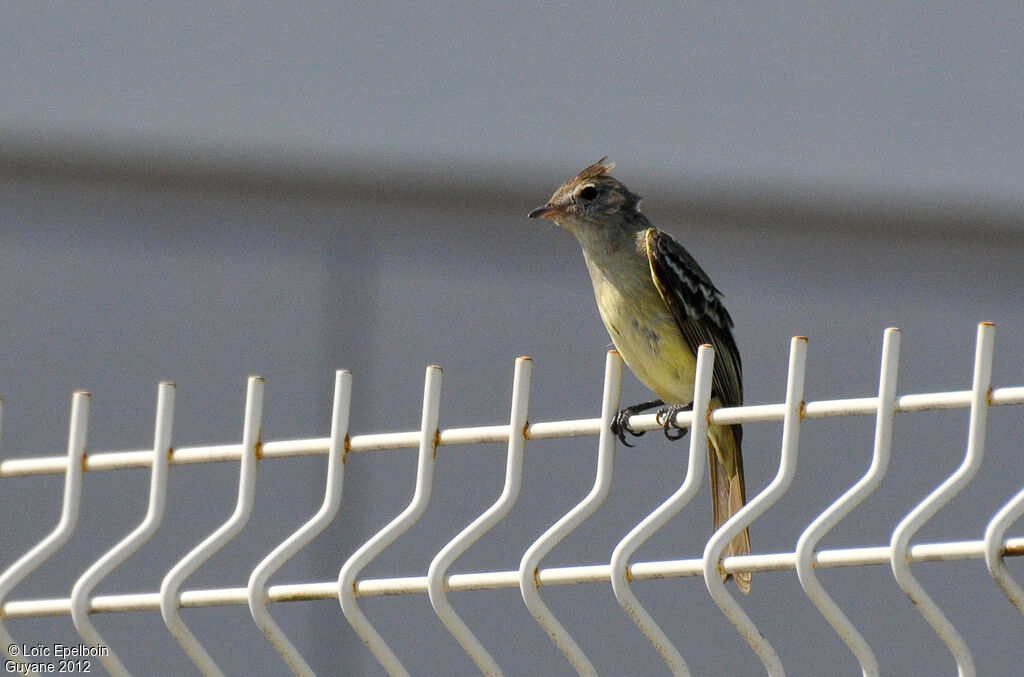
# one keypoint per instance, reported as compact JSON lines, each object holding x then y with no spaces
{"x":531,"y":577}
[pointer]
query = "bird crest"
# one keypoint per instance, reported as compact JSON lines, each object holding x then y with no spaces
{"x":599,"y":168}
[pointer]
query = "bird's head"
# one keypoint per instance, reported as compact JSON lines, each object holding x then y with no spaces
{"x":592,"y":197}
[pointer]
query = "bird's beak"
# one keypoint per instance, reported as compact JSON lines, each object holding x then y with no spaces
{"x":545,"y":212}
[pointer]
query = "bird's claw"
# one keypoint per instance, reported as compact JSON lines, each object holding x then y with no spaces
{"x":620,"y":426}
{"x":667,"y":418}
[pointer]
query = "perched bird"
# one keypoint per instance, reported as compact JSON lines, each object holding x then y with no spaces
{"x":659,"y":306}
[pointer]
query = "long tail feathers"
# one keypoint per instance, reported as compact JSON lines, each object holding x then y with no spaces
{"x":727,"y":489}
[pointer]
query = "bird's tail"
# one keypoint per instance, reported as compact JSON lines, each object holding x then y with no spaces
{"x":728,"y":492}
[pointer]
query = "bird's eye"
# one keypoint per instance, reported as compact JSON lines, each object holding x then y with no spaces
{"x":588,"y":193}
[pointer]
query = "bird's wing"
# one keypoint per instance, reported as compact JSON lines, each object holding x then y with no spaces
{"x":697,"y":307}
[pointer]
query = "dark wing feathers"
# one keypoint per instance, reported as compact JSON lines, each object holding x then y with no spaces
{"x":697,"y":307}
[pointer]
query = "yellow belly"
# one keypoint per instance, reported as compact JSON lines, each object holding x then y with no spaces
{"x":646,"y":335}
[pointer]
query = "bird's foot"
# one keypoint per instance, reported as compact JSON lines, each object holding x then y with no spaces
{"x":620,"y":424}
{"x":667,"y":418}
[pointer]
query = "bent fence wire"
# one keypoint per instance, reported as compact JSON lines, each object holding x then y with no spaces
{"x":531,"y":577}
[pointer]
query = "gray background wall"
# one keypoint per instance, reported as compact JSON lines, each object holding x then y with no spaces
{"x":199,"y":194}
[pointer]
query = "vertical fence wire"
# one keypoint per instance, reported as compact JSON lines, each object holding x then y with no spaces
{"x":529,"y":566}
{"x":347,"y":591}
{"x":438,"y":570}
{"x":845,"y":504}
{"x":304,"y":535}
{"x":661,"y":515}
{"x":77,"y":433}
{"x":712,"y":563}
{"x":170,"y":587}
{"x":995,"y":537}
{"x":124,"y":549}
{"x":935,"y":501}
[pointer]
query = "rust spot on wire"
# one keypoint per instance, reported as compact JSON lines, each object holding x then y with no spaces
{"x":526,"y":426}
{"x":81,"y":461}
{"x":437,"y":442}
{"x":257,"y":449}
{"x":346,"y":446}
{"x":1014,"y":550}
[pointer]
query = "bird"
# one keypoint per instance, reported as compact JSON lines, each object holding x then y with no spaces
{"x":659,"y":307}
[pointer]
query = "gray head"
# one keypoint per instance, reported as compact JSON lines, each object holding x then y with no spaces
{"x":593,"y":198}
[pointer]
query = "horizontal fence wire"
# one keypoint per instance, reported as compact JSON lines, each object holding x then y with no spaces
{"x":531,"y":577}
